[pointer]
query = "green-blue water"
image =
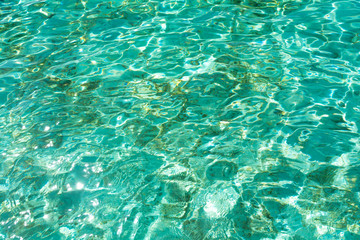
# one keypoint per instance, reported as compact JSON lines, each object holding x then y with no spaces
{"x":180,"y":119}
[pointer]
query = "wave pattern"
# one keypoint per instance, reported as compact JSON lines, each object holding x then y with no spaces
{"x":179,"y":119}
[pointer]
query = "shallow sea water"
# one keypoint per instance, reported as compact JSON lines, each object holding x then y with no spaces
{"x":180,"y":119}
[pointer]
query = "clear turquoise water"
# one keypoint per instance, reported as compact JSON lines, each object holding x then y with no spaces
{"x":182,"y":119}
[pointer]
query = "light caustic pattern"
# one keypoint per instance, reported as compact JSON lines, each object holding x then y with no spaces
{"x":182,"y":119}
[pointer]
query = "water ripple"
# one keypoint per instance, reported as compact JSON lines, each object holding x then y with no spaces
{"x":217,"y":119}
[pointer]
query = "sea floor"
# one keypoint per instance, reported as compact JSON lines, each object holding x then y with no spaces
{"x":180,"y":119}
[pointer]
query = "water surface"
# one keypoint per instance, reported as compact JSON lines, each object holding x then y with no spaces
{"x":179,"y":119}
